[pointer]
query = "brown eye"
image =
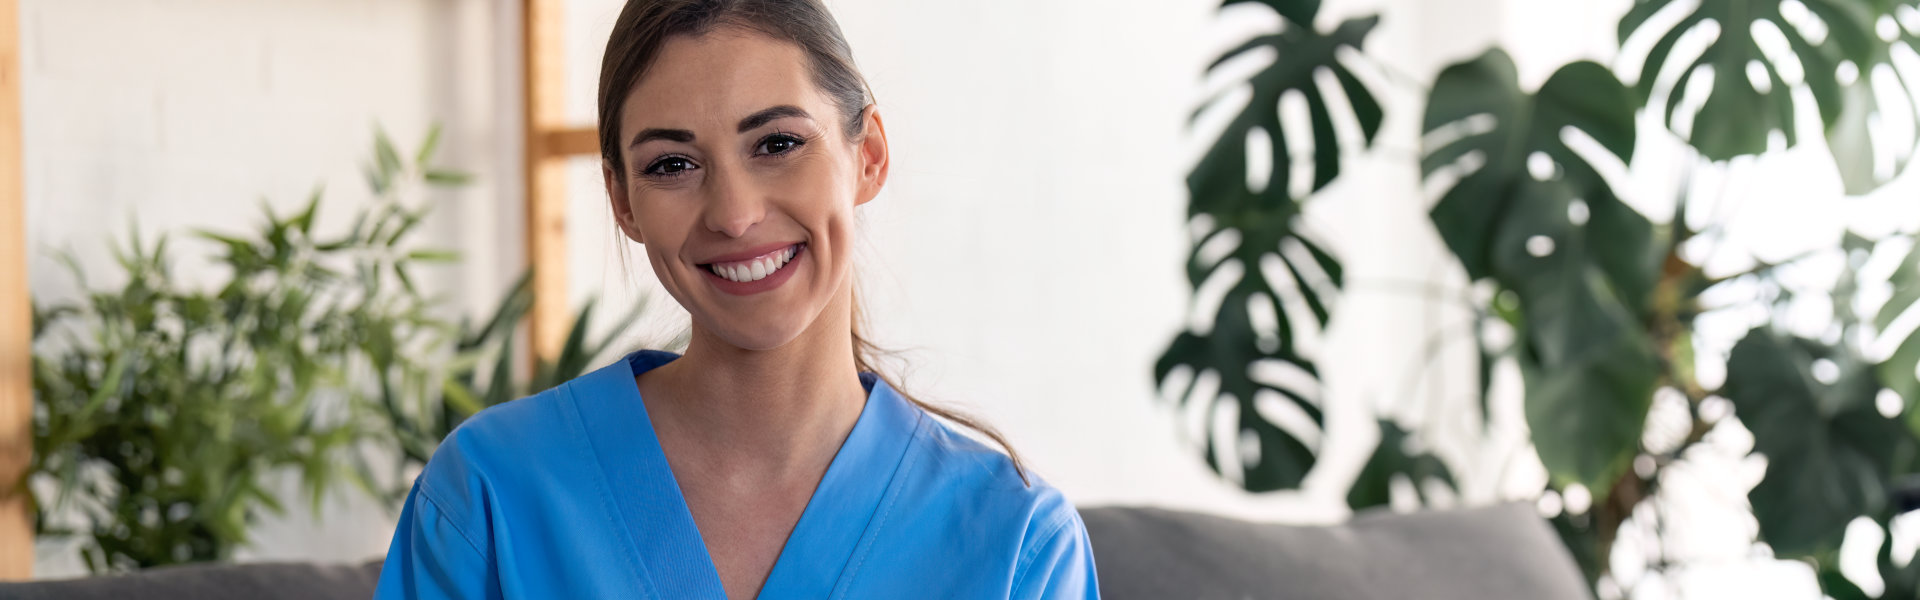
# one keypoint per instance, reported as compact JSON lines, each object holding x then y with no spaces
{"x":779,"y":143}
{"x":670,"y":166}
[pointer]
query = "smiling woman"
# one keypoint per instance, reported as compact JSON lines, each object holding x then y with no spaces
{"x":771,"y":460}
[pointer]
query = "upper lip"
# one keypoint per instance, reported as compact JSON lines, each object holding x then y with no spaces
{"x":744,"y":255}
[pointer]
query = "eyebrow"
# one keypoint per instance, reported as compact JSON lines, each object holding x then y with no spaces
{"x":750,"y":123}
{"x":764,"y":117}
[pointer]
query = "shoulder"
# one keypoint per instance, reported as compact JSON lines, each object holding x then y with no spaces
{"x":959,"y":500}
{"x":987,"y":479}
{"x":504,"y":448}
{"x":1045,"y":544}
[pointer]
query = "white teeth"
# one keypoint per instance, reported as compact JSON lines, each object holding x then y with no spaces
{"x":756,"y":269}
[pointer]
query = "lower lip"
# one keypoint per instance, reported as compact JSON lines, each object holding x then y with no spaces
{"x":769,"y":282}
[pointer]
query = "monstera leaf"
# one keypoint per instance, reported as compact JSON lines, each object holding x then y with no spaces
{"x":1830,"y":46}
{"x":1898,"y":370}
{"x":1393,"y":458}
{"x":1528,"y":212}
{"x":1266,"y":259}
{"x":1831,"y":455}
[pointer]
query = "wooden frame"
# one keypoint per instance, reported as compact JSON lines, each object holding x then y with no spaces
{"x":549,"y":142}
{"x":16,"y":317}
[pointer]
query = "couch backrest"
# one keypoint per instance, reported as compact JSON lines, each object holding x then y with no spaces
{"x":247,"y":581}
{"x":1497,"y":552}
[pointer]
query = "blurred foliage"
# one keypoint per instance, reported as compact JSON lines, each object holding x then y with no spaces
{"x":1831,"y":48}
{"x":419,"y":418}
{"x":1270,"y":256}
{"x":165,"y":413}
{"x":1600,"y":300}
{"x":167,"y":417}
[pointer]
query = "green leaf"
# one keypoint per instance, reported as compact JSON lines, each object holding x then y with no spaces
{"x":461,"y":398}
{"x":406,"y":280}
{"x":573,"y":354}
{"x":386,"y":156}
{"x":1835,"y":585}
{"x":1739,"y":115}
{"x":304,"y":221}
{"x":511,"y":309}
{"x":1587,"y":418}
{"x":1282,"y":461}
{"x":1829,"y":452}
{"x":1392,"y":459}
{"x":1582,"y":539}
{"x":1898,"y":374}
{"x":434,"y":255}
{"x":1296,"y":11}
{"x":447,"y":178}
{"x":1474,"y":215}
{"x":1538,"y":219}
{"x":1219,"y":182}
{"x":1906,"y":290}
{"x":427,"y":147}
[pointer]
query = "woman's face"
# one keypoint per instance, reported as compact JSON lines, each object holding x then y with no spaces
{"x":741,"y":182}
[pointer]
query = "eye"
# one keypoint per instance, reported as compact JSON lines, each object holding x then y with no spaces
{"x":670,"y":166}
{"x":779,"y":143}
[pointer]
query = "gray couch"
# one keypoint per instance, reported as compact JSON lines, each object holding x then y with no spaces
{"x":1501,"y":552}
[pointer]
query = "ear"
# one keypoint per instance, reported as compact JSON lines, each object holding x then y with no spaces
{"x":872,"y":149}
{"x":622,"y":209}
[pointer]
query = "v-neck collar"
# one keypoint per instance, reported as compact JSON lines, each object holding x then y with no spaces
{"x":823,"y":552}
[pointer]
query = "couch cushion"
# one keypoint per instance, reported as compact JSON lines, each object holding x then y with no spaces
{"x":1502,"y":551}
{"x":289,"y":581}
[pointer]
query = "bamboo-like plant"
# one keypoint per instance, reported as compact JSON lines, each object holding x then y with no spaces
{"x":482,"y":373}
{"x":165,"y":412}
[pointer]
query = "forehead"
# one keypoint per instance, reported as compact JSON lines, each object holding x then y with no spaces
{"x":716,"y":78}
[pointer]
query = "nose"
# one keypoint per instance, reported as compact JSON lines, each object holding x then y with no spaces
{"x":734,"y":203}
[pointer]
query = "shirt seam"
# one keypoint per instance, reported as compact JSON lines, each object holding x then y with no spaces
{"x":441,"y":514}
{"x":616,"y":513}
{"x":1024,"y":567}
{"x":892,"y":498}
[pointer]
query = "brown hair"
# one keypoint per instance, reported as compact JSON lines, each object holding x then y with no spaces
{"x":644,"y":25}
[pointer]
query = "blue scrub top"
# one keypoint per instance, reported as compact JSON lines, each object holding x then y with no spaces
{"x":567,"y":494}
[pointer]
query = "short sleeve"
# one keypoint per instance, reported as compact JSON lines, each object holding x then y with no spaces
{"x":1060,"y":565}
{"x":432,"y":559}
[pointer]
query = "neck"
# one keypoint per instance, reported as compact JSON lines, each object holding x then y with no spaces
{"x":760,"y":413}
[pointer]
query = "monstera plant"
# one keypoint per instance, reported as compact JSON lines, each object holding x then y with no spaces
{"x":1268,"y":254}
{"x":1601,"y":301}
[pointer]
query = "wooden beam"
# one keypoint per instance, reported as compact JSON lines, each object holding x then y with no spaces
{"x":546,"y":192}
{"x":16,"y":317}
{"x":573,"y":141}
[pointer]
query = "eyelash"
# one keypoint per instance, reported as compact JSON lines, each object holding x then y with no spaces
{"x":656,"y":168}
{"x":795,"y":141}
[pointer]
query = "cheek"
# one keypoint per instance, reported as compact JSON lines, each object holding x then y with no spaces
{"x":660,"y":214}
{"x":820,"y":187}
{"x":663,"y":221}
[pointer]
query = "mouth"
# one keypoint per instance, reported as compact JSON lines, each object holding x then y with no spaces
{"x":759,"y":273}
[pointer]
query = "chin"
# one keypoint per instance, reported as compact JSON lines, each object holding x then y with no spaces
{"x":759,"y":336}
